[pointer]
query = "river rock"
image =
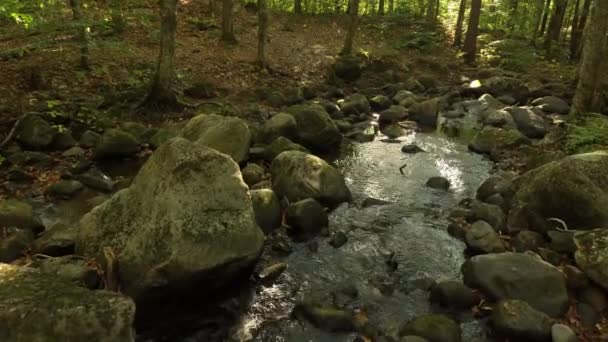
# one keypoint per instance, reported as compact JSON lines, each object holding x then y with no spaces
{"x":518,"y":321}
{"x":498,"y":183}
{"x":51,"y":304}
{"x":552,"y":105}
{"x":380,"y":102}
{"x":307,"y":217}
{"x":338,"y":239}
{"x":63,"y":140}
{"x":267,"y":209}
{"x":489,"y":213}
{"x":96,"y":179}
{"x":13,"y":246}
{"x":491,"y":139}
{"x":411,"y":148}
{"x":280,"y":145}
{"x":315,"y":127}
{"x":89,"y":139}
{"x":528,"y":122}
{"x":562,"y":333}
{"x":438,"y":183}
{"x":393,"y":114}
{"x":348,"y":68}
{"x":393,"y":131}
{"x":204,"y":228}
{"x":279,"y":125}
{"x":325,"y":317}
{"x":592,"y":255}
{"x":518,"y":276}
{"x":226,"y":134}
{"x":298,"y":175}
{"x":160,"y":137}
{"x":527,"y":240}
{"x":501,"y":85}
{"x":65,"y":188}
{"x":71,"y":268}
{"x":74,"y":152}
{"x":573,"y":189}
{"x":252,"y":174}
{"x":34,"y":133}
{"x":482,"y":238}
{"x":403,"y":95}
{"x":355,"y":104}
{"x":595,"y":297}
{"x":58,"y":240}
{"x":562,"y":241}
{"x":434,"y":328}
{"x":426,"y":112}
{"x":454,"y":294}
{"x":115,"y":143}
{"x":15,"y":213}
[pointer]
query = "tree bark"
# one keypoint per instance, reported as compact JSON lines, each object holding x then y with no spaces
{"x":391,"y":6}
{"x":593,"y":64}
{"x":470,"y":41}
{"x":576,"y":43}
{"x":555,"y":24}
{"x":437,"y":10}
{"x":543,"y":25}
{"x":539,"y":9}
{"x":297,"y":7}
{"x":227,"y":23}
{"x":513,"y":15}
{"x":573,"y":29}
{"x":262,"y":33}
{"x":459,"y":23}
{"x":83,"y":33}
{"x":381,"y":7}
{"x":352,"y":28}
{"x":162,"y":94}
{"x":117,"y":13}
{"x":430,"y":11}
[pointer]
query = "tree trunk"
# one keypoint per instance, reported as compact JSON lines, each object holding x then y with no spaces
{"x":437,"y":10}
{"x":391,"y":6}
{"x":381,"y":7}
{"x":162,"y":94}
{"x":543,"y":25}
{"x":592,"y":68}
{"x":227,"y":24}
{"x":470,"y":41}
{"x":539,"y":8}
{"x":575,"y":44}
{"x":297,"y":7}
{"x":83,"y":33}
{"x":513,"y":15}
{"x":352,"y":28}
{"x":262,"y":33}
{"x":573,"y":24}
{"x":459,"y":23}
{"x":430,"y":11}
{"x":117,"y":12}
{"x":555,"y":24}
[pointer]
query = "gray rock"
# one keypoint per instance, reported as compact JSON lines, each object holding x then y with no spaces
{"x":65,"y":188}
{"x":433,"y":327}
{"x":115,"y":144}
{"x":89,"y":139}
{"x":338,"y":239}
{"x":518,"y":276}
{"x":326,"y":318}
{"x":15,"y":213}
{"x":528,"y":122}
{"x":528,"y":240}
{"x":552,"y":105}
{"x":380,"y":102}
{"x":298,"y":175}
{"x":426,"y":113}
{"x":355,"y":104}
{"x":59,"y":240}
{"x":270,"y":273}
{"x":160,"y":137}
{"x":280,"y":125}
{"x":226,"y":134}
{"x":595,"y":297}
{"x":411,"y":148}
{"x":575,"y":278}
{"x":497,"y":184}
{"x":490,"y":213}
{"x":315,"y":127}
{"x":63,"y":140}
{"x":491,"y":139}
{"x":562,"y":242}
{"x":280,"y":145}
{"x":307,"y":217}
{"x":393,"y":114}
{"x":393,"y":131}
{"x":454,"y":295}
{"x":96,"y":179}
{"x":482,"y":238}
{"x":74,"y":152}
{"x":403,"y":95}
{"x":203,"y":228}
{"x":71,"y":268}
{"x":592,"y":255}
{"x":562,"y":333}
{"x":371,"y":202}
{"x":267,"y":209}
{"x":15,"y":244}
{"x":252,"y":174}
{"x":438,"y":183}
{"x":50,"y":304}
{"x":34,"y":133}
{"x":518,"y":321}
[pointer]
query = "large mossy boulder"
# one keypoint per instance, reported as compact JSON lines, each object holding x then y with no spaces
{"x":36,"y":307}
{"x":186,"y":223}
{"x":528,"y":122}
{"x":518,"y":276}
{"x":592,"y":254}
{"x":298,"y":175}
{"x":35,"y":133}
{"x":573,"y":189}
{"x":280,"y":145}
{"x":226,"y":134}
{"x":115,"y":143}
{"x":348,"y":68}
{"x":356,"y":104}
{"x":518,"y":321}
{"x":267,"y":208}
{"x":315,"y":127}
{"x":434,"y":328}
{"x":15,"y":213}
{"x":280,"y":125}
{"x":491,"y":139}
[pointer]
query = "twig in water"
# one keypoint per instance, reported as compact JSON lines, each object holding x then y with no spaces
{"x":401,"y":169}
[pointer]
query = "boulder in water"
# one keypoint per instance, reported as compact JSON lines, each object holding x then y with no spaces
{"x":280,"y":125}
{"x":433,"y":327}
{"x":355,"y":104}
{"x":482,"y":238}
{"x":454,"y":294}
{"x":438,"y":183}
{"x":316,"y":128}
{"x":115,"y":143}
{"x":306,"y":217}
{"x":491,"y":139}
{"x":267,"y":209}
{"x":518,"y":321}
{"x":393,"y":114}
{"x":280,"y":145}
{"x":529,"y":123}
{"x":426,"y":112}
{"x":592,"y":254}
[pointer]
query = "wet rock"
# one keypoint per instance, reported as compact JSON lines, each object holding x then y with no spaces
{"x":426,"y":112}
{"x":225,"y":134}
{"x":491,"y":139}
{"x":280,"y":145}
{"x":63,"y":140}
{"x":517,"y":320}
{"x":15,"y":213}
{"x":267,"y":209}
{"x":298,"y":175}
{"x":34,"y":133}
{"x":89,"y":139}
{"x":595,"y":297}
{"x":454,"y":295}
{"x":39,"y":159}
{"x":348,"y":68}
{"x":434,"y":328}
{"x":96,"y":179}
{"x":393,"y":114}
{"x":589,"y":317}
{"x":206,"y":210}
{"x":325,"y":318}
{"x":160,"y":137}
{"x":527,"y":240}
{"x":482,"y":238}
{"x":592,"y":255}
{"x":272,"y":272}
{"x":355,"y":104}
{"x":50,"y":304}
{"x":501,"y":85}
{"x":280,"y":125}
{"x":411,"y":148}
{"x":65,"y":188}
{"x":507,"y":99}
{"x":71,"y":268}
{"x":411,"y":338}
{"x":575,"y":278}
{"x":574,"y":189}
{"x":562,"y":242}
{"x":338,"y":239}
{"x":380,"y":102}
{"x":562,"y":333}
{"x":550,"y":256}
{"x":74,"y":152}
{"x":529,"y":123}
{"x":330,"y":107}
{"x":457,"y":230}
{"x":499,"y":118}
{"x":315,"y":127}
{"x":252,"y":174}
{"x":372,"y":202}
{"x":552,"y":105}
{"x":438,"y":183}
{"x":115,"y":144}
{"x":403,"y":95}
{"x":343,"y":125}
{"x":490,"y":213}
{"x":13,"y":246}
{"x":518,"y":276}
{"x":393,"y":131}
{"x":59,"y":240}
{"x":306,"y":217}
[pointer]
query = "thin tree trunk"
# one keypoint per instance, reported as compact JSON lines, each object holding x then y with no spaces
{"x":381,"y":7}
{"x":227,"y":23}
{"x":352,"y":28}
{"x":297,"y":6}
{"x":391,"y":6}
{"x":262,"y":33}
{"x":555,"y":24}
{"x":459,"y":23}
{"x":513,"y":15}
{"x":576,"y":46}
{"x":83,"y":33}
{"x":593,"y":64}
{"x":437,"y":10}
{"x":430,"y":11}
{"x":539,"y":8}
{"x":162,"y":93}
{"x":117,"y":12}
{"x":470,"y":41}
{"x":543,"y":25}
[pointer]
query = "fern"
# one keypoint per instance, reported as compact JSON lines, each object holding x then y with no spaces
{"x":587,"y":134}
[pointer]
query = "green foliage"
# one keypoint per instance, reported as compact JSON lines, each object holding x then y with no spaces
{"x":418,"y":41}
{"x":587,"y":134}
{"x":510,"y":54}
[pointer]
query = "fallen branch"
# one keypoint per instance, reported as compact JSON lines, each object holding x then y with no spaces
{"x":10,"y":134}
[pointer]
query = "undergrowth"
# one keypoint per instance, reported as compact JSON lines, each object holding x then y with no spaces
{"x":587,"y":134}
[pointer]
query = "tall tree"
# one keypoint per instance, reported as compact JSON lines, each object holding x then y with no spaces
{"x":575,"y":44}
{"x":555,"y":24}
{"x":381,"y":7}
{"x":459,"y":23}
{"x":513,"y":15}
{"x":83,"y":33}
{"x":543,"y":24}
{"x":262,"y":33}
{"x":538,"y":13}
{"x":297,"y":6}
{"x":430,"y":11}
{"x":470,"y":41}
{"x":391,"y":6}
{"x":227,"y":23}
{"x":117,"y":12}
{"x":352,"y":28}
{"x":162,"y":93}
{"x":573,"y":30}
{"x":593,"y":64}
